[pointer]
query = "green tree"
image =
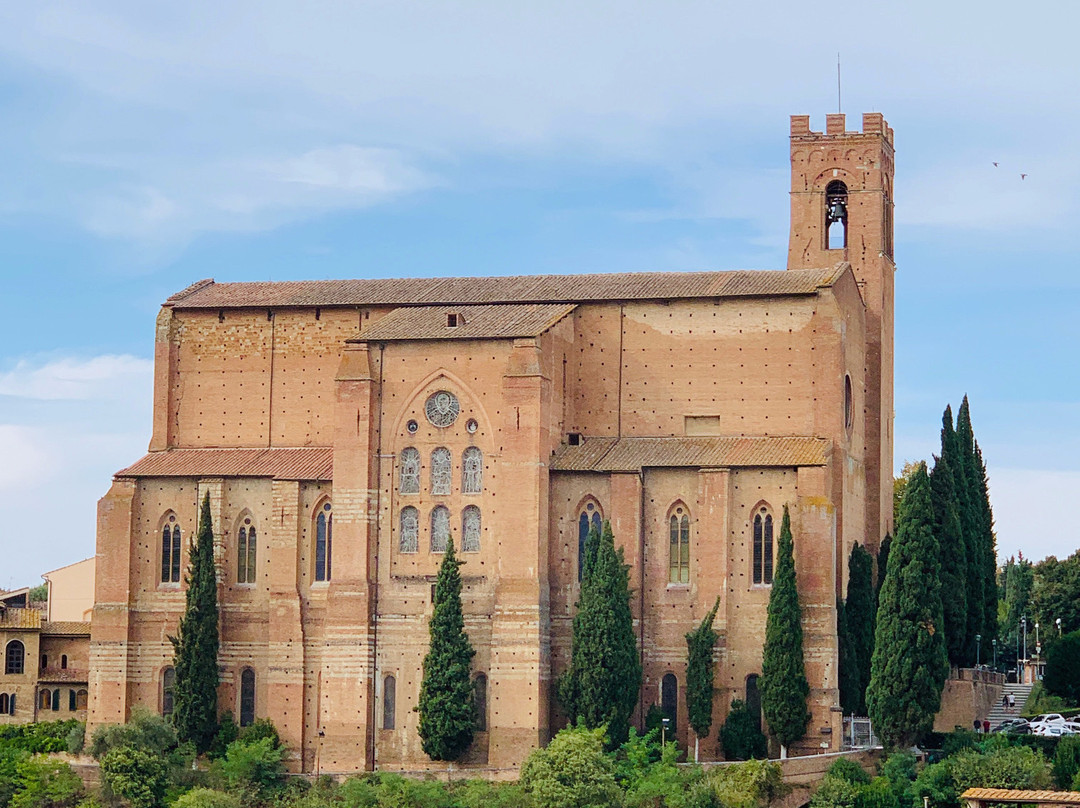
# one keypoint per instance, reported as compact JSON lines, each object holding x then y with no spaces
{"x":784,"y":689}
{"x":1066,"y":761}
{"x":700,"y":675}
{"x":572,"y":772}
{"x":45,"y":783}
{"x":899,"y":486}
{"x":602,"y":685}
{"x":910,"y":663}
{"x":139,"y":778}
{"x":447,"y":710}
{"x":254,"y":768}
{"x":961,"y":459}
{"x":1019,"y":582}
{"x":883,"y":562}
{"x":859,"y":614}
{"x":848,"y":673}
{"x":196,"y":647}
{"x":1062,"y":676}
{"x":988,"y":544}
{"x":1056,"y":593}
{"x":741,"y":737}
{"x":954,"y":566}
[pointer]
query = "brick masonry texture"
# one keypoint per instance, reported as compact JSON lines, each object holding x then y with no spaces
{"x":718,"y":396}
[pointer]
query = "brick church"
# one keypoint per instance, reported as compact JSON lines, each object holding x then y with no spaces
{"x":344,"y":430}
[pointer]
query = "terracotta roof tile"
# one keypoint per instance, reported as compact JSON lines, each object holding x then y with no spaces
{"x":309,"y":463}
{"x":67,"y":628}
{"x":1015,"y":795}
{"x":506,"y":289}
{"x":20,"y":618}
{"x":633,"y":454}
{"x":66,"y":675}
{"x":498,"y":321}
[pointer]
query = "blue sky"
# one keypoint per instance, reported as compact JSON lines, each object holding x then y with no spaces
{"x":145,"y":146}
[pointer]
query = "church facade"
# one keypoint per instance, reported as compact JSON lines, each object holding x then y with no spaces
{"x":346,"y":430}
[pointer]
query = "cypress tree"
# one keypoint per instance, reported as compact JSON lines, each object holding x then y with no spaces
{"x":784,"y":689}
{"x":848,"y":666}
{"x":447,"y":710}
{"x":989,"y":545}
{"x":699,"y":675}
{"x":953,"y":558}
{"x":910,"y":661}
{"x":961,"y":458}
{"x":883,"y":561}
{"x":196,"y":646}
{"x":604,"y":680}
{"x":859,"y":619}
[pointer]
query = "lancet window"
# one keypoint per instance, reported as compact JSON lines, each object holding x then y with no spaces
{"x":324,"y":542}
{"x":472,"y":464}
{"x":763,"y":546}
{"x":170,"y":551}
{"x":409,"y":536}
{"x":441,"y":471}
{"x":679,"y":551}
{"x":589,"y":519}
{"x":470,"y":529}
{"x":245,"y":553}
{"x":440,"y":529}
{"x":410,"y":471}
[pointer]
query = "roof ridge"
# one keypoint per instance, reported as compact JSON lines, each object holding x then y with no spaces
{"x":189,"y":290}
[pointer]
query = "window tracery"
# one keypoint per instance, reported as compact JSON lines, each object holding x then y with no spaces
{"x":470,"y":529}
{"x":409,"y":538}
{"x":441,"y":471}
{"x":763,"y":546}
{"x":679,"y":552}
{"x":324,"y":542}
{"x":442,"y":408}
{"x":410,"y":471}
{"x":245,"y":553}
{"x":590,"y":519}
{"x":472,"y":465}
{"x":440,"y":529}
{"x":170,"y":551}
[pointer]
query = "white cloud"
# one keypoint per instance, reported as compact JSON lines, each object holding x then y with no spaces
{"x":26,"y":460}
{"x":100,"y":377}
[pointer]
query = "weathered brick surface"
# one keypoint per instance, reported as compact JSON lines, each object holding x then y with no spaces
{"x":765,"y":366}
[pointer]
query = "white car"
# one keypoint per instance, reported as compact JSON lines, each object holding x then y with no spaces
{"x":1046,"y":720}
{"x":1073,"y":727}
{"x":1053,"y":731}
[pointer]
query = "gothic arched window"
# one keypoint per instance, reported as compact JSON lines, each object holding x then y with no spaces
{"x":470,"y":529}
{"x":168,"y":689}
{"x":763,"y":546}
{"x":669,"y":699}
{"x":71,"y":701}
{"x":389,"y":704}
{"x":679,"y":551}
{"x":15,"y":658}
{"x":440,"y":529}
{"x":247,"y":697}
{"x":409,"y":537}
{"x":324,"y":542}
{"x":472,"y":474}
{"x":410,"y":471}
{"x":753,"y":698}
{"x":3,"y":703}
{"x":836,"y":215}
{"x":245,"y":553}
{"x":441,"y":471}
{"x":81,"y":699}
{"x":480,"y":701}
{"x":170,"y":551}
{"x":589,"y":519}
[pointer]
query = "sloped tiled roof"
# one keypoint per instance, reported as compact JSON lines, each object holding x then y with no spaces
{"x":207,"y":294}
{"x":633,"y":454}
{"x":64,"y":675}
{"x":497,"y":321}
{"x":308,"y":463}
{"x":1016,"y":795}
{"x":66,"y":628}
{"x":20,"y":618}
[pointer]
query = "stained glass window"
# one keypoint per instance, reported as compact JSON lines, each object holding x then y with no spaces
{"x":324,"y":542}
{"x":763,"y":547}
{"x":679,"y":556}
{"x":441,"y":471}
{"x":409,"y":540}
{"x":410,"y":471}
{"x":440,"y":529}
{"x":442,"y":408}
{"x":472,"y":464}
{"x":245,"y":553}
{"x":470,"y":529}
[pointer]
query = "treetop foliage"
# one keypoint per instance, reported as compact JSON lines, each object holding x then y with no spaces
{"x":699,"y":673}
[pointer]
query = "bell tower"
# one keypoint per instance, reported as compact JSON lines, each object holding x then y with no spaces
{"x":842,"y":210}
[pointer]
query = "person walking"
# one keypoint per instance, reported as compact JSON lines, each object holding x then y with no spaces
{"x":1012,"y":701}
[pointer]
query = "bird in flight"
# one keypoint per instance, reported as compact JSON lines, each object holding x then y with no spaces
{"x":995,"y":165}
{"x":1023,"y":176}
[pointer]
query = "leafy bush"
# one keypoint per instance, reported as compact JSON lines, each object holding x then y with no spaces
{"x":847,"y":769}
{"x":835,"y":792}
{"x":959,"y":740}
{"x":899,"y":770}
{"x":254,"y":768}
{"x":145,"y":731}
{"x":936,"y":782}
{"x":10,"y":758}
{"x":228,"y":731}
{"x":39,"y":738}
{"x":486,"y":794}
{"x":1066,"y":761}
{"x":1062,"y":676}
{"x":139,"y":777}
{"x":44,"y":783}
{"x":259,"y":729}
{"x":75,"y":740}
{"x":741,"y":737}
{"x":880,"y":793}
{"x":1014,"y":767}
{"x":661,"y":784}
{"x":746,"y":785}
{"x":572,"y":772}
{"x":1040,"y":700}
{"x":206,"y":798}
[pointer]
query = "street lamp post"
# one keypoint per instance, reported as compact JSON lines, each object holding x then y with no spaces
{"x":1058,"y":621}
{"x":994,"y":641}
{"x":663,"y":730}
{"x":978,"y":650}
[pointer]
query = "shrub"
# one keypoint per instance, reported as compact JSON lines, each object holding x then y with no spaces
{"x":228,"y":731}
{"x":660,"y":784}
{"x":899,"y":770}
{"x":747,"y":785}
{"x":1066,"y":761}
{"x":741,"y":737}
{"x":486,"y":794}
{"x":10,"y":758}
{"x":1014,"y":767}
{"x":572,"y":772}
{"x":206,"y":798}
{"x":139,"y":777}
{"x":39,"y":738}
{"x":75,"y":741}
{"x":44,"y":783}
{"x":145,"y":731}
{"x":1062,"y":676}
{"x":880,"y":793}
{"x":259,"y":729}
{"x":936,"y":782}
{"x":847,"y":769}
{"x":835,"y":792}
{"x":254,"y":768}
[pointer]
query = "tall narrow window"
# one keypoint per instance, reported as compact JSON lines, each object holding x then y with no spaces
{"x":409,"y":539}
{"x":440,"y":529}
{"x":63,"y":661}
{"x":836,"y":215}
{"x":389,"y":702}
{"x":410,"y":471}
{"x":679,"y":551}
{"x":470,"y":529}
{"x":170,"y":551}
{"x":753,"y":698}
{"x":324,"y":542}
{"x":11,"y":705}
{"x":71,"y":701}
{"x":81,"y":699}
{"x":480,"y":702}
{"x":245,"y":553}
{"x":168,"y":688}
{"x":3,"y":703}
{"x":14,"y":658}
{"x":56,"y":700}
{"x":44,"y":700}
{"x":44,"y":661}
{"x":589,"y":519}
{"x":669,"y":699}
{"x":763,"y":547}
{"x":247,"y":697}
{"x":472,"y":474}
{"x":441,"y":471}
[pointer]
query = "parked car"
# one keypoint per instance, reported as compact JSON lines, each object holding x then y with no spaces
{"x":1047,"y":719}
{"x":1073,"y":727}
{"x":1014,"y":726}
{"x":1053,"y":730}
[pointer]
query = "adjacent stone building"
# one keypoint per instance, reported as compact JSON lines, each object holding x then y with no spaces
{"x":344,"y":430}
